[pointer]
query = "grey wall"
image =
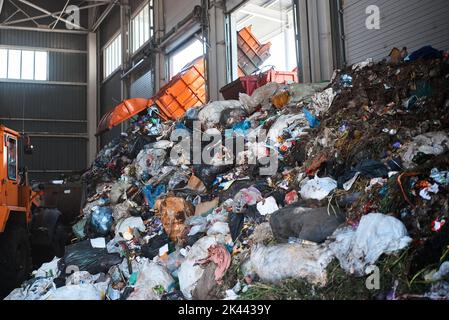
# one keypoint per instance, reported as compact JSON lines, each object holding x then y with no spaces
{"x":53,"y":113}
{"x":410,"y":23}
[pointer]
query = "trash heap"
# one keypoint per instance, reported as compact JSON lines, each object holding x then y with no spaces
{"x":361,"y":186}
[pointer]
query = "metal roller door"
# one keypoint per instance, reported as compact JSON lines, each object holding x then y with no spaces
{"x":403,"y":23}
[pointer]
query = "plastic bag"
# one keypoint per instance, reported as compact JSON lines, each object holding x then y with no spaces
{"x":151,"y":278}
{"x":49,"y":269}
{"x":313,"y":121}
{"x":35,"y":289}
{"x":293,"y":260}
{"x":208,"y":173}
{"x":261,"y":96}
{"x":246,"y":197}
{"x":189,"y":273}
{"x":101,"y":221}
{"x":76,"y":292}
{"x":152,"y":193}
{"x":149,"y":161}
{"x":151,"y":249}
{"x":128,"y":224}
{"x":305,"y":223}
{"x":83,"y":257}
{"x":178,"y":180}
{"x":122,"y":210}
{"x":376,"y":234}
{"x":118,"y":189}
{"x":79,"y":227}
{"x":210,"y":114}
{"x":304,"y":91}
{"x":218,"y":228}
{"x":317,"y":188}
{"x":240,"y":128}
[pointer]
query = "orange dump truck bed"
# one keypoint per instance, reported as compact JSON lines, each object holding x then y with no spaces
{"x":184,"y":91}
{"x":251,"y":53}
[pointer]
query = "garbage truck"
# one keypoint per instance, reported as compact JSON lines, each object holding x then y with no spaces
{"x":25,"y":225}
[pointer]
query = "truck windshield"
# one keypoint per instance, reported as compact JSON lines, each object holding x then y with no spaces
{"x":12,"y":159}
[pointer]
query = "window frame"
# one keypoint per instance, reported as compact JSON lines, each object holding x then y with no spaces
{"x":188,"y":42}
{"x":10,"y":138}
{"x":138,"y":11}
{"x":20,"y":65}
{"x":110,"y":55}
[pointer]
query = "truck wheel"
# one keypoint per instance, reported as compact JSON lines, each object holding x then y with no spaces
{"x":15,"y":258}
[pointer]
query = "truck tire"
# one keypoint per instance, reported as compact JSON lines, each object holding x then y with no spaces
{"x":15,"y":258}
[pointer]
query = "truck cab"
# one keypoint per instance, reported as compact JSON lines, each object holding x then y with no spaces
{"x":15,"y":194}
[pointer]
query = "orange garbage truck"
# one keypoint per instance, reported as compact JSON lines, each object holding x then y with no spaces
{"x":22,"y":220}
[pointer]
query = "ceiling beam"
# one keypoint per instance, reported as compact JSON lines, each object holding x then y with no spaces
{"x":32,"y":5}
{"x":103,"y":15}
{"x":42,"y":29}
{"x":49,"y":15}
{"x":60,"y":15}
{"x":265,"y":13}
{"x":11,"y":16}
{"x":1,"y":5}
{"x":23,"y":12}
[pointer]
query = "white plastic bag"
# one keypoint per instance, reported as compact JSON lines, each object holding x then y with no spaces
{"x":39,"y":289}
{"x":219,"y":227}
{"x":210,"y":114}
{"x":317,"y":188}
{"x":189,"y":273}
{"x":260,"y":96}
{"x":49,"y":269}
{"x":150,"y":277}
{"x":376,"y":234}
{"x":291,"y":260}
{"x":76,"y":292}
{"x":124,"y":225}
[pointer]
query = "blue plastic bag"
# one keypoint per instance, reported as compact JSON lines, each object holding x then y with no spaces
{"x":101,"y":221}
{"x":313,"y":121}
{"x":241,"y":128}
{"x":151,"y":194}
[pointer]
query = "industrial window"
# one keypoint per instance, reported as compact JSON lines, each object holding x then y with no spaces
{"x":12,"y":159}
{"x":180,"y":58}
{"x":112,"y":56}
{"x":23,"y":64}
{"x":263,"y":37}
{"x":142,"y":27}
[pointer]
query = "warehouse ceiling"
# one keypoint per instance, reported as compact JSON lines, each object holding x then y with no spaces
{"x":268,"y":17}
{"x":54,"y":15}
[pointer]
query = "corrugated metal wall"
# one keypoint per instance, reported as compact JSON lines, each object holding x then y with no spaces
{"x":110,"y":90}
{"x":53,"y":113}
{"x":409,"y":23}
{"x":176,"y":10}
{"x":43,"y":39}
{"x":143,"y":86}
{"x":110,"y":96}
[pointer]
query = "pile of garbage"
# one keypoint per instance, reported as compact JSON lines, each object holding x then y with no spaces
{"x":350,"y":177}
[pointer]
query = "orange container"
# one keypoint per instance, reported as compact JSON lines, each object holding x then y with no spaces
{"x":282,"y":77}
{"x":251,"y":53}
{"x":184,"y":91}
